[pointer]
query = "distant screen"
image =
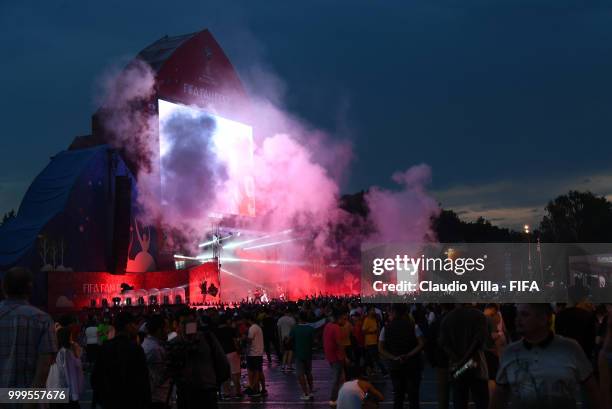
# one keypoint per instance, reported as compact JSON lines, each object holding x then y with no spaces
{"x":205,"y":157}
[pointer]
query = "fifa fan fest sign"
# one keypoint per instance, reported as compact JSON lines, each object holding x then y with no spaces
{"x":68,"y":290}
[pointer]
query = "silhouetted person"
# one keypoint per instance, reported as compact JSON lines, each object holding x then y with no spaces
{"x":120,"y":378}
{"x":438,"y":357}
{"x":463,"y":333}
{"x":268,"y":327}
{"x":69,"y":369}
{"x":285,"y":324}
{"x":155,"y":353}
{"x":605,"y":362}
{"x":92,"y":342}
{"x":228,"y":336}
{"x":27,"y":335}
{"x":401,"y":341}
{"x":302,"y":337}
{"x":334,"y":353}
{"x":197,"y":364}
{"x":580,"y":324}
{"x":254,"y":360}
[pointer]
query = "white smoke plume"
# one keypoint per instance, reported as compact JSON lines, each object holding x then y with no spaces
{"x":125,"y":114}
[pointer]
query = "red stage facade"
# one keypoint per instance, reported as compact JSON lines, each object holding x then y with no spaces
{"x":74,"y":290}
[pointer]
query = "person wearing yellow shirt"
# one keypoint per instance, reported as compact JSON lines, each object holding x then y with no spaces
{"x":345,"y":342}
{"x":370,"y":330}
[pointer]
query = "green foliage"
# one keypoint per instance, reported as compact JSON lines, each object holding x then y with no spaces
{"x":577,"y":217}
{"x":449,"y":228}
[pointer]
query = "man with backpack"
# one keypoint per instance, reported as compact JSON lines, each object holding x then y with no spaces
{"x":197,"y":364}
{"x":155,"y":352}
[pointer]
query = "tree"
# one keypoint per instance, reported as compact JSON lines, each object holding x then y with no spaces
{"x":577,"y":217}
{"x":450,"y":228}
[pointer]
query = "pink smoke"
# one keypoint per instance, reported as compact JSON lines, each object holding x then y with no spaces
{"x":404,"y":215}
{"x":296,"y":168}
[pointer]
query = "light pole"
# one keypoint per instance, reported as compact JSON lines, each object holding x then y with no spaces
{"x":526,"y":230}
{"x":539,"y":251}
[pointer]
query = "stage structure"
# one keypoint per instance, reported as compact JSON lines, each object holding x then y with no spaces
{"x":80,"y":230}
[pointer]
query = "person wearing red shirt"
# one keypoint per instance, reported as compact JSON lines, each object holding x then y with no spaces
{"x":334,"y":352}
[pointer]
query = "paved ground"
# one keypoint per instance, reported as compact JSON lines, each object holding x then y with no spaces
{"x":284,"y":391}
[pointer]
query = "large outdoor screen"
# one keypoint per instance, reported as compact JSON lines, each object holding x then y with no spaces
{"x":206,"y":156}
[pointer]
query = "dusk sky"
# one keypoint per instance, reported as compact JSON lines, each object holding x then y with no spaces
{"x":509,"y":102}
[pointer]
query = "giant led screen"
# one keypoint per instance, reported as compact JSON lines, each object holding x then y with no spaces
{"x":205,"y":159}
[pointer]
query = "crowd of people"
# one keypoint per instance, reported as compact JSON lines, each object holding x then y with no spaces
{"x":525,"y":355}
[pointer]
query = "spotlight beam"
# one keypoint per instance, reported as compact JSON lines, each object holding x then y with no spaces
{"x":267,"y":236}
{"x":181,"y":257}
{"x":208,"y":243}
{"x":201,"y":258}
{"x":243,"y":279}
{"x":205,"y":256}
{"x":248,"y":260}
{"x":276,"y":243}
{"x":214,"y":240}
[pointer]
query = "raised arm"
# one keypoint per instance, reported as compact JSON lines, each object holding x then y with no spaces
{"x":318,"y":324}
{"x":370,"y":389}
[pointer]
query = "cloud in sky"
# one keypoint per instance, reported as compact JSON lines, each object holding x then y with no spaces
{"x":524,"y":102}
{"x":512,"y":202}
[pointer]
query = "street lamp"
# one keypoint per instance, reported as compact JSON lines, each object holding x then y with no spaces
{"x":526,"y":230}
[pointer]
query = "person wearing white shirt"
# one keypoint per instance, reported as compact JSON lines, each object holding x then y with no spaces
{"x":91,"y":337}
{"x":353,"y":393}
{"x":285,"y":324}
{"x":255,"y":351}
{"x":69,"y":370}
